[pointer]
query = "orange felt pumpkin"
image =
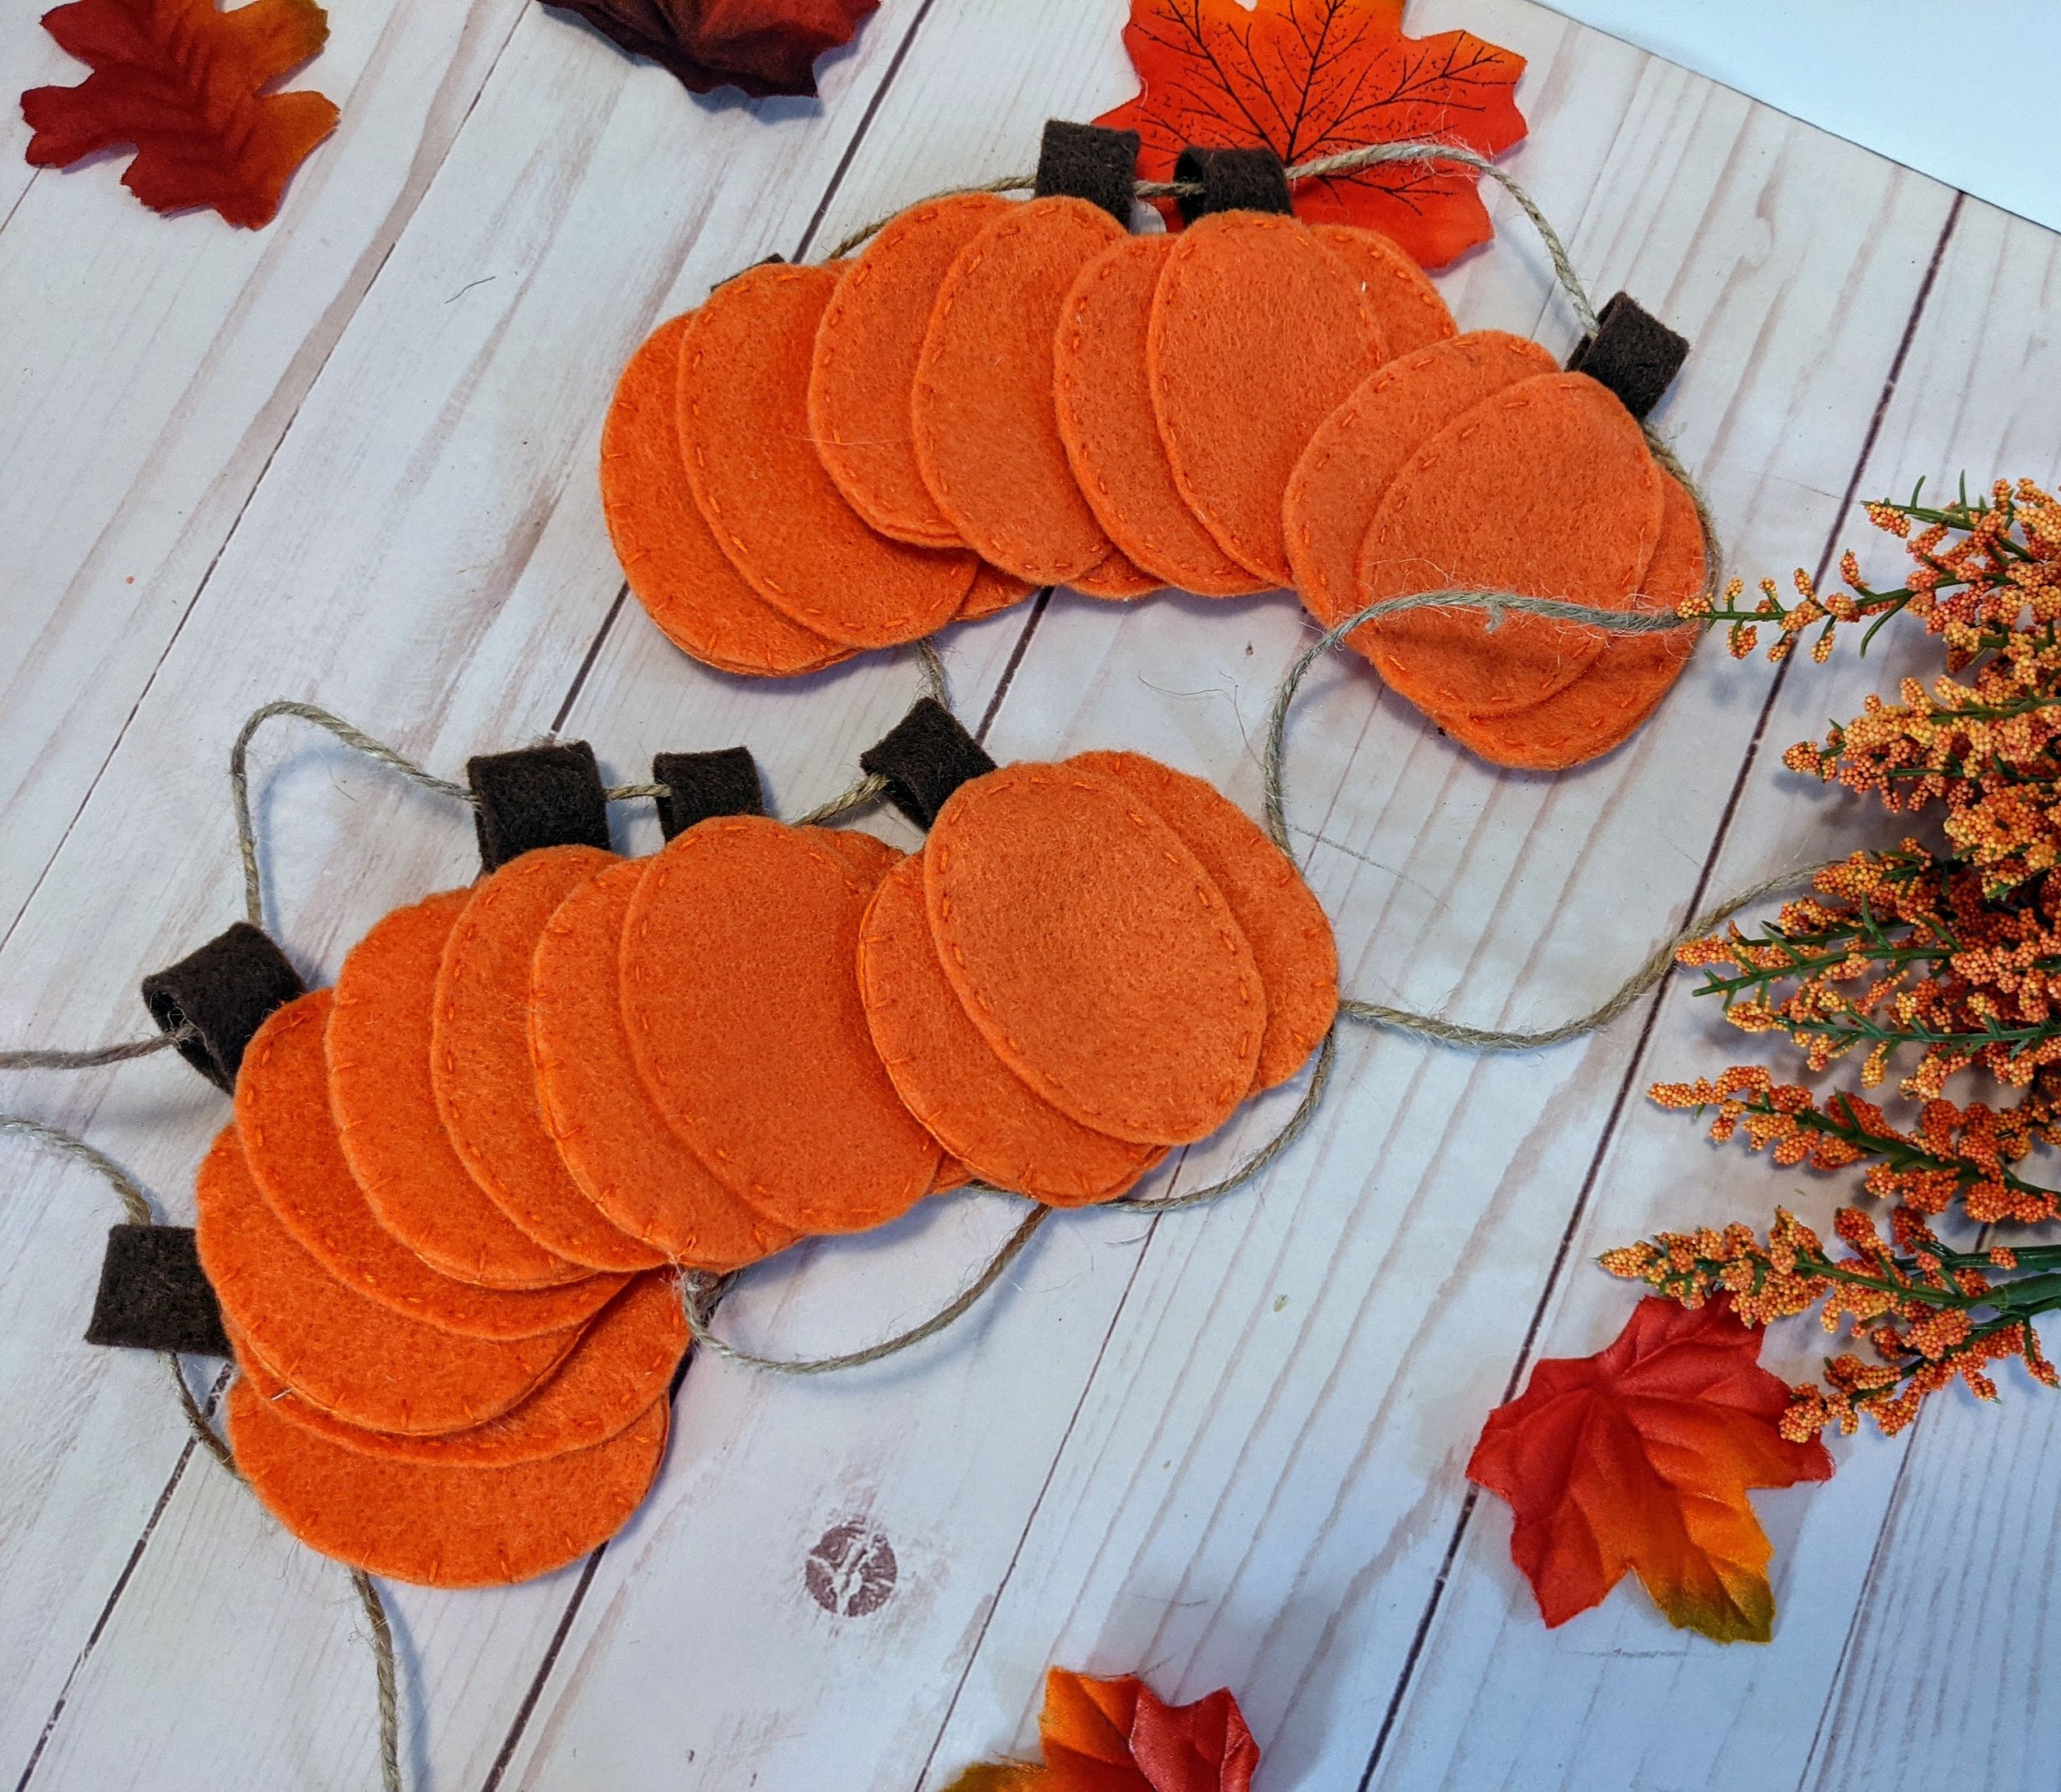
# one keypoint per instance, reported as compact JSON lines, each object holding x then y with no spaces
{"x":1089,"y":963}
{"x":1255,"y":401}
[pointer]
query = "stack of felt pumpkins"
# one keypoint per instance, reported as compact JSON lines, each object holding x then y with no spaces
{"x":998,"y":395}
{"x":445,"y":1225}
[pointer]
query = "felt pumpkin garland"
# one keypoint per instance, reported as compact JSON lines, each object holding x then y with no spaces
{"x":990,"y":396}
{"x":1088,"y":964}
{"x":445,"y":1226}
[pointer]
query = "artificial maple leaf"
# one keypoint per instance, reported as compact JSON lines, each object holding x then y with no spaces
{"x":1640,"y":1457}
{"x":185,"y":84}
{"x":1309,"y":78}
{"x":1117,"y":1735}
{"x":761,"y":46}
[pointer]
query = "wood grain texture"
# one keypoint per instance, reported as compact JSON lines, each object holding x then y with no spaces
{"x":1940,"y":1673}
{"x":154,"y":365}
{"x":425,"y":555}
{"x":1617,"y":1690}
{"x":1223,"y":1446}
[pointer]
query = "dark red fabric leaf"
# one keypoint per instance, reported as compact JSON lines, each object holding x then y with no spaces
{"x":761,"y":46}
{"x":185,"y":84}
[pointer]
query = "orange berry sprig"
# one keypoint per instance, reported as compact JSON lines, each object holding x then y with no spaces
{"x":1975,"y":592}
{"x":1896,"y":950}
{"x":1946,"y":955}
{"x":1931,"y":1315}
{"x":1954,"y":1156}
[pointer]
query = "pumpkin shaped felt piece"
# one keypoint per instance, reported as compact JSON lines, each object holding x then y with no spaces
{"x":1571,"y":505}
{"x":753,"y":1045}
{"x":431,"y":1416}
{"x":1255,"y":402}
{"x":345,"y":1404}
{"x":1089,"y":963}
{"x":744,"y":373}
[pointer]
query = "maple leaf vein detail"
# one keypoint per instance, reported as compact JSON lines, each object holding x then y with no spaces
{"x":1311,"y":78}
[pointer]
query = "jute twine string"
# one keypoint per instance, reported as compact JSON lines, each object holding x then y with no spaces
{"x":137,"y":1206}
{"x":1436,"y":1028}
{"x":1496,"y":605}
{"x":1326,"y":167}
{"x":865,"y":791}
{"x":94,"y":1056}
{"x":701,"y":1293}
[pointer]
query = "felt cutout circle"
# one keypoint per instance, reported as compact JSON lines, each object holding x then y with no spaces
{"x":986,"y":433}
{"x":1112,"y":436}
{"x":384,"y":1104}
{"x":992,"y":592}
{"x":1629,"y":677}
{"x":948,"y":1077}
{"x":743,"y":410}
{"x":1407,"y":305}
{"x":1259,"y":333}
{"x":1094,"y":953}
{"x":867,"y":856}
{"x":481,"y":1067}
{"x":1569,"y":507}
{"x":950,"y":1174}
{"x":864,"y":369}
{"x":1359,"y":447}
{"x":627,"y":1161}
{"x":363,"y":1362}
{"x":684,"y":581}
{"x":290,"y":1142}
{"x":1116,"y":579}
{"x":1278,"y":913}
{"x":443,"y":1524}
{"x":622,"y":1363}
{"x":740,"y":996}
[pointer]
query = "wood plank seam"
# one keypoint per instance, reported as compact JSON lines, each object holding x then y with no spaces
{"x":1813,"y":1756}
{"x":1633,"y":1069}
{"x":214,"y":560}
{"x":1037,"y":1506}
{"x":837,"y":174}
{"x":1015,"y":659}
{"x":120,"y":1585}
{"x":802,"y":249}
{"x":534,"y":1691}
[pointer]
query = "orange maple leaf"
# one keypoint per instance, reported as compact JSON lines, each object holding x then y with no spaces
{"x":185,"y":84}
{"x":1312,"y":77}
{"x":1640,"y":1457}
{"x":1117,"y":1735}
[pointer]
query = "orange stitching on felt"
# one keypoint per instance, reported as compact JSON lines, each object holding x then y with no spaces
{"x":1005,"y":544}
{"x":970,"y":1100}
{"x":1068,"y":1100}
{"x":824,"y":619}
{"x":1179,"y":443}
{"x":1427,"y":463}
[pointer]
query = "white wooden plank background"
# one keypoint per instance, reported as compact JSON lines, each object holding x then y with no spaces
{"x":350,"y":458}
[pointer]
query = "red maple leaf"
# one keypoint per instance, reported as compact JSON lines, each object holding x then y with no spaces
{"x":1640,"y":1458}
{"x":1117,"y":1735}
{"x":762,"y":46}
{"x":1309,"y":78}
{"x":185,"y":84}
